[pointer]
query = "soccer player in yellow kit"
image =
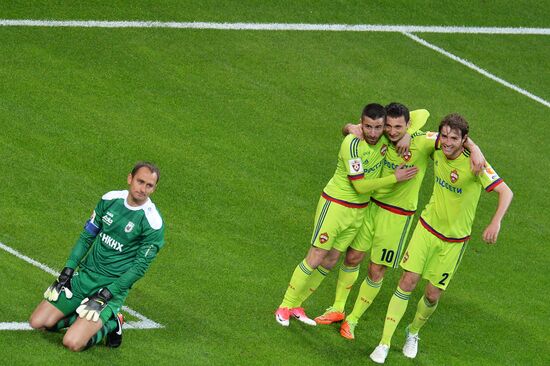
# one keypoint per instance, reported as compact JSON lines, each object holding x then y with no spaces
{"x":340,"y":209}
{"x":440,"y":237}
{"x":387,"y":222}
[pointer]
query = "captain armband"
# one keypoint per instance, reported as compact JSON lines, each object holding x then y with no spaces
{"x":91,"y":228}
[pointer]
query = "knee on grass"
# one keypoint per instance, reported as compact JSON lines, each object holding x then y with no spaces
{"x":73,"y":344}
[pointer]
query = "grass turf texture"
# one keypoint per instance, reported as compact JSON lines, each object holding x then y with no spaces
{"x":245,"y":127}
{"x":521,"y":13}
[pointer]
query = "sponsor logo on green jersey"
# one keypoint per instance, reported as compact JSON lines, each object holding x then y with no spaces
{"x":108,"y":218}
{"x":110,"y":242}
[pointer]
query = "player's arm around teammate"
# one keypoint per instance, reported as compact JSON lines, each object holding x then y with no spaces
{"x":409,"y":280}
{"x":340,"y":211}
{"x":318,"y":256}
{"x":394,"y":131}
{"x":406,"y":124}
{"x":418,"y":119}
{"x":439,"y":240}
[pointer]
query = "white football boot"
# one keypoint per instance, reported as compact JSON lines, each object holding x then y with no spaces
{"x":410,"y":349}
{"x":380,"y":353}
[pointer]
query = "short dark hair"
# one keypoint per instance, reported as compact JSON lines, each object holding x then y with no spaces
{"x":152,"y":167}
{"x":374,"y":111}
{"x":456,"y":122}
{"x":396,"y":110}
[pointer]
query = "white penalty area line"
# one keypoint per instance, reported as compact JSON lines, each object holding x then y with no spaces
{"x":272,"y":26}
{"x":143,"y":323}
{"x":478,"y":69}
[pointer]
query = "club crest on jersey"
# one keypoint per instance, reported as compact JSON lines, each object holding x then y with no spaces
{"x":490,"y":172}
{"x":355,"y":165}
{"x":407,"y":156}
{"x":383,"y":149}
{"x":323,"y":238}
{"x":454,"y":176}
{"x":129,"y":227}
{"x":406,"y":257}
{"x":431,"y":135}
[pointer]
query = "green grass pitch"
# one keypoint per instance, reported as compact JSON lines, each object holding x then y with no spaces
{"x":245,"y":126}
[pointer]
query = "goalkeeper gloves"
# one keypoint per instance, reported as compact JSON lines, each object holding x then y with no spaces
{"x":91,"y":307}
{"x":63,"y":283}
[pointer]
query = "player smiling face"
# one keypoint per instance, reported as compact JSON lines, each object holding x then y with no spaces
{"x":372,"y":129}
{"x":451,"y":142}
{"x":453,"y":132}
{"x":141,"y":184}
{"x":396,"y":127}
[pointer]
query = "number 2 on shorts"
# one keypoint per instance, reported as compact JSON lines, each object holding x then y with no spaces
{"x":445,"y":276}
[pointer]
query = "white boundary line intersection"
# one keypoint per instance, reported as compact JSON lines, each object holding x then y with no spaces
{"x":406,"y":30}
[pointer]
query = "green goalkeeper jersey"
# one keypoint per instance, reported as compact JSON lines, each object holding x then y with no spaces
{"x":402,"y":198}
{"x":450,"y":213}
{"x":119,"y":241}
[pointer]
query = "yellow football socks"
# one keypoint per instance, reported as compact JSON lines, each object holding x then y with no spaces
{"x":346,"y":278}
{"x":396,"y":309}
{"x":317,"y":276}
{"x":367,"y":293}
{"x":423,"y":312}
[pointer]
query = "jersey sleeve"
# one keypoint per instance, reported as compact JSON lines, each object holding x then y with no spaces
{"x":91,"y":229}
{"x":349,"y":154}
{"x":418,"y":119}
{"x":366,"y":185}
{"x":488,"y":178}
{"x":426,"y":141}
{"x":152,"y":243}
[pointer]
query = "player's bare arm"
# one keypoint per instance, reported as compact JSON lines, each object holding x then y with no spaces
{"x":402,"y":146}
{"x":477,"y":160}
{"x":356,"y":130}
{"x":418,"y":119}
{"x":505,"y":195}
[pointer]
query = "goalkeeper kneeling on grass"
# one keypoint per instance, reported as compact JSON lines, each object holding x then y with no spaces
{"x":116,"y":247}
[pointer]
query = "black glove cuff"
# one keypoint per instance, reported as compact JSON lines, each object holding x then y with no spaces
{"x":105,"y":294}
{"x":67,"y":272}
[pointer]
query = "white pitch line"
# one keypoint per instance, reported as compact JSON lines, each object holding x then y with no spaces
{"x":404,"y":29}
{"x":272,"y":26}
{"x":143,"y":323}
{"x":478,"y":69}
